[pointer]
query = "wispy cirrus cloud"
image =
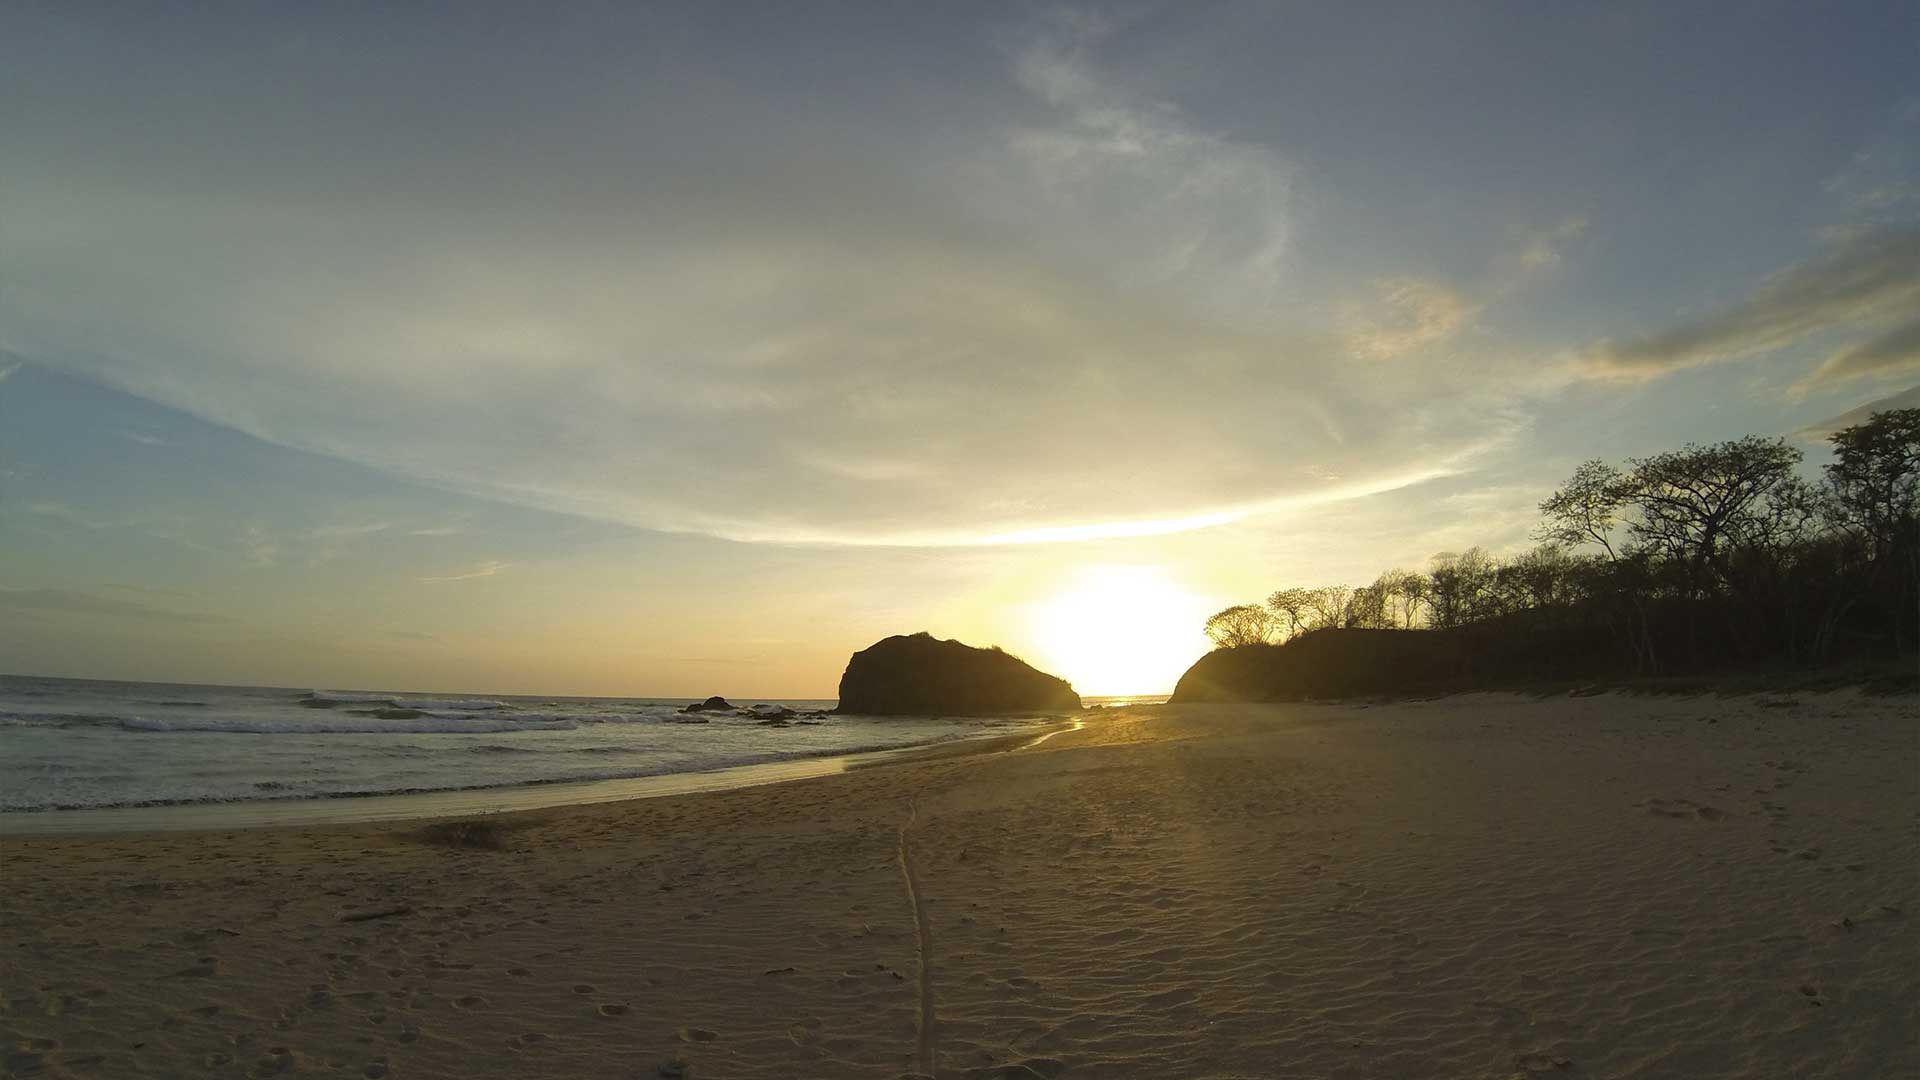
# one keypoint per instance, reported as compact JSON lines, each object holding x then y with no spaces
{"x":1542,"y":249}
{"x":1409,"y":314}
{"x":1895,"y":352}
{"x":258,"y":546}
{"x":483,"y":570}
{"x":1820,"y":430}
{"x":351,"y":530}
{"x":934,"y":344}
{"x":1221,"y":208}
{"x":1865,"y":282}
{"x":148,"y":590}
{"x":76,"y":602}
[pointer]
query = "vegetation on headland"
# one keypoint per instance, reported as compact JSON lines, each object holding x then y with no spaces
{"x":1704,"y":559}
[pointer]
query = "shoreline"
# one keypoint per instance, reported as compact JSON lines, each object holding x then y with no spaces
{"x":426,"y":806}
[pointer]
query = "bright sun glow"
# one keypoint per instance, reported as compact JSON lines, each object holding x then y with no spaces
{"x":1120,"y":630}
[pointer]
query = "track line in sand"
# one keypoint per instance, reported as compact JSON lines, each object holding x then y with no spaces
{"x":923,"y":948}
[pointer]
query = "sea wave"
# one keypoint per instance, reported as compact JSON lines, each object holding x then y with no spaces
{"x":317,"y":725}
{"x":56,"y":719}
{"x":279,"y":791}
{"x":327,"y":699}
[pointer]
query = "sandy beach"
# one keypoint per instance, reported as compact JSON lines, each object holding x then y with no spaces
{"x":1477,"y":886}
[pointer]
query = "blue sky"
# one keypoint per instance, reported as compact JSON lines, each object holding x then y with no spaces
{"x":690,"y":348}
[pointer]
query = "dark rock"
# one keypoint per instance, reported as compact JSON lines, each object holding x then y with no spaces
{"x":712,"y":704}
{"x":920,"y":675}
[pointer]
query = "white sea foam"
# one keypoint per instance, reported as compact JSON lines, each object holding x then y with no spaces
{"x":69,"y":743}
{"x":403,"y":701}
{"x":334,"y":724}
{"x":347,"y":725}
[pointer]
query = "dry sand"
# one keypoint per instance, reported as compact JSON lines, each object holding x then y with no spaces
{"x":1473,"y":887}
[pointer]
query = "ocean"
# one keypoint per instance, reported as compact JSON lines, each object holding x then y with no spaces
{"x":74,"y":743}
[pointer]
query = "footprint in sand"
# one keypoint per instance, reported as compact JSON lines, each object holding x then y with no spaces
{"x":697,"y":1034}
{"x":804,"y":1033}
{"x":519,"y":971}
{"x":272,"y":1063}
{"x":469,"y":1001}
{"x":1683,"y":808}
{"x":582,"y":988}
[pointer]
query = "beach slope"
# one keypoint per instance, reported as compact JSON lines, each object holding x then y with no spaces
{"x":1483,"y":885}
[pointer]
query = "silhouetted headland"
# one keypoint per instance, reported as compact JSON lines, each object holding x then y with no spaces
{"x":920,"y":675}
{"x":1716,"y":566}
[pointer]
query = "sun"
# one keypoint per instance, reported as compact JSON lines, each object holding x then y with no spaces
{"x":1120,"y":630}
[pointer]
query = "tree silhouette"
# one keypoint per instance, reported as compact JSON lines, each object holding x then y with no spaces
{"x":1702,"y":556}
{"x":1242,"y":624}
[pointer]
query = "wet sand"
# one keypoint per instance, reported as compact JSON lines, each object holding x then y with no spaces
{"x":1477,"y":886}
{"x":354,"y":810}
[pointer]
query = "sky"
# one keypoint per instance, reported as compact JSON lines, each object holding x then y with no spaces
{"x":686,"y":349}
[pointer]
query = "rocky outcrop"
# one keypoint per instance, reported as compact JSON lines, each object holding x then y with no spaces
{"x":920,"y":675}
{"x":712,"y":704}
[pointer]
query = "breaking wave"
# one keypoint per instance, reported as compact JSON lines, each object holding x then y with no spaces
{"x":327,"y":699}
{"x":319,"y":725}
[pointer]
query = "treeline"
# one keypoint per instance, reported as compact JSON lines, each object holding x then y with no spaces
{"x":1700,"y":557}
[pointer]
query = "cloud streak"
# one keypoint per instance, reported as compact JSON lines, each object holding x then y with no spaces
{"x":1410,"y":315}
{"x":75,"y":602}
{"x":483,"y":570}
{"x":1867,"y":280}
{"x":1221,"y":209}
{"x":1894,"y":352}
{"x":1820,"y":431}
